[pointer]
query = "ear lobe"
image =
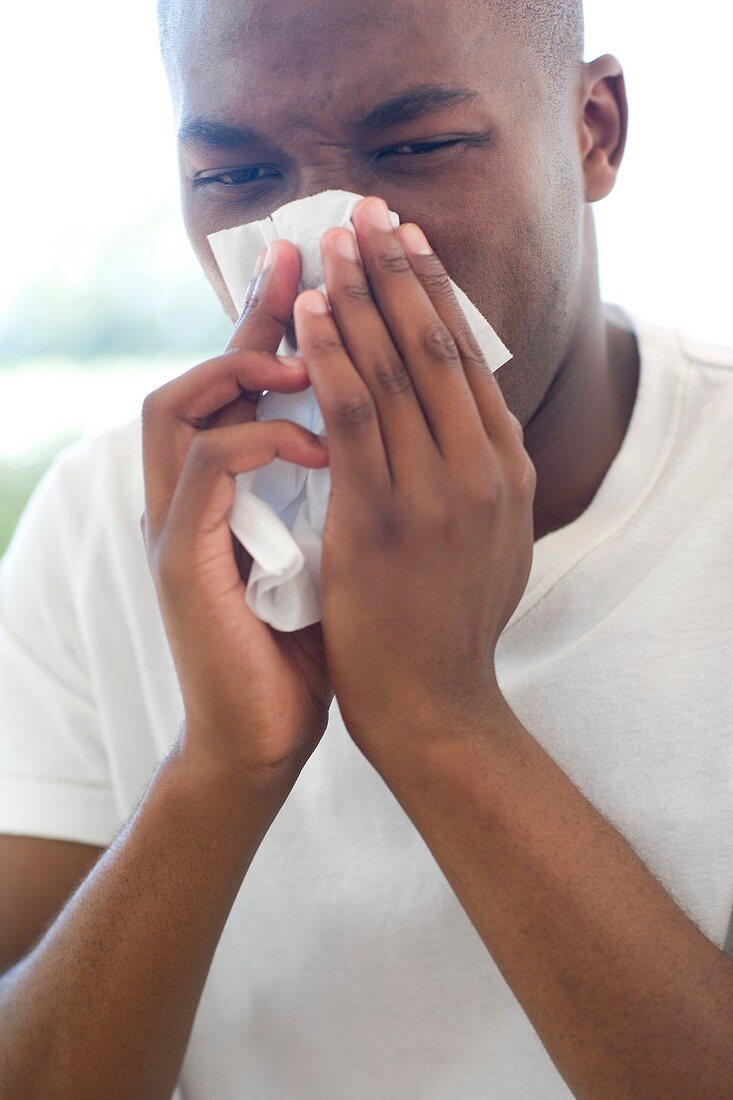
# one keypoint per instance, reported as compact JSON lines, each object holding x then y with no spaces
{"x":604,"y":126}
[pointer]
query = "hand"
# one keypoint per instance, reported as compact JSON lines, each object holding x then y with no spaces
{"x":256,"y":700}
{"x":429,"y":533}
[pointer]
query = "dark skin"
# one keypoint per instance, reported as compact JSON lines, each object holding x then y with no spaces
{"x":508,"y":214}
{"x":620,"y":1014}
{"x":633,"y":999}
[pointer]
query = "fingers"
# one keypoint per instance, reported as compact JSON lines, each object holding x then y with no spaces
{"x":500,"y":424}
{"x":176,"y":412}
{"x":206,"y":487}
{"x":358,"y":461}
{"x":269,"y":303}
{"x":370,"y":347}
{"x":227,"y":387}
{"x":196,"y":544}
{"x":200,"y":392}
{"x":424,"y":341}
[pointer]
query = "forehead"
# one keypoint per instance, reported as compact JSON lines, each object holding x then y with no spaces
{"x":304,"y":61}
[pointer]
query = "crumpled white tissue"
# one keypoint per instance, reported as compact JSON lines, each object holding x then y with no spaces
{"x":279,"y":510}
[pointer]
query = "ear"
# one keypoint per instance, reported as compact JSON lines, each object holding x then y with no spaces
{"x":603,"y":125}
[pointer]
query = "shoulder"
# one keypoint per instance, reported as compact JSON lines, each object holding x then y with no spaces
{"x":114,"y":452}
{"x":707,"y":410}
{"x":92,"y":484}
{"x":102,"y":472}
{"x":667,"y":341}
{"x":688,"y":363}
{"x":710,"y":390}
{"x":705,"y":354}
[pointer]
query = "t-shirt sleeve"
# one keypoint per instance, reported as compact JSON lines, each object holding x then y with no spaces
{"x":54,"y":771}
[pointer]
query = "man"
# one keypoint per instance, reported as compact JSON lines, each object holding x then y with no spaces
{"x":498,"y":862}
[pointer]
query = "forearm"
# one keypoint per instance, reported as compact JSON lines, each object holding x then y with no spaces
{"x":104,"y":1004}
{"x":628,"y":996}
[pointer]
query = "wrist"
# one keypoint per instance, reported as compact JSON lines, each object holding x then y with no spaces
{"x":216,"y":785}
{"x":432,"y":729}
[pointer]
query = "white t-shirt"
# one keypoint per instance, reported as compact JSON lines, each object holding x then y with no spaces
{"x":348,"y":967}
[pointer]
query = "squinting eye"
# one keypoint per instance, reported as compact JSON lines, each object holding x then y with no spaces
{"x":228,"y":179}
{"x":425,"y":147}
{"x":224,"y":176}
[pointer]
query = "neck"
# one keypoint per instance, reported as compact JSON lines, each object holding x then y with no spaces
{"x":578,"y":429}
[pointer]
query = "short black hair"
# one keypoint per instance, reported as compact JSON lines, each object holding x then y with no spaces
{"x":554,"y":28}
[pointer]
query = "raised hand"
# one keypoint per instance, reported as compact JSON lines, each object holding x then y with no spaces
{"x":256,"y":700}
{"x":429,"y":534}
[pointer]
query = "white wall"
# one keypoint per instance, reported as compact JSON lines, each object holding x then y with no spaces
{"x":666,"y":233}
{"x":88,"y":144}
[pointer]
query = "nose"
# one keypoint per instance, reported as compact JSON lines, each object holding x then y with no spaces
{"x":322,"y":165}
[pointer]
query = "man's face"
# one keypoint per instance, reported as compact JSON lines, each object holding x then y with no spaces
{"x":502,"y":204}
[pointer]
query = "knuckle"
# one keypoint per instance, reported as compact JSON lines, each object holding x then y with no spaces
{"x":470,"y":351}
{"x":204,"y":449}
{"x":357,"y":292}
{"x":326,"y":342}
{"x":352,"y":409}
{"x":438,"y":516}
{"x":439,"y":343}
{"x":394,"y":260}
{"x":516,"y":426}
{"x":388,"y":531}
{"x":253,"y":303}
{"x":492,"y":491}
{"x":290,"y":433}
{"x":487,"y":491}
{"x":151,"y":403}
{"x":526,"y":478}
{"x":392,"y":375}
{"x":260,"y":307}
{"x":166,"y":564}
{"x":276,"y":432}
{"x":436,"y":280}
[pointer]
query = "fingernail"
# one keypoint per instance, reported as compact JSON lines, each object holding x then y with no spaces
{"x":414,"y":239}
{"x":314,"y":302}
{"x":248,"y":295}
{"x":291,"y":361}
{"x":345,"y":245}
{"x":260,"y":262}
{"x":267,"y":259}
{"x":378,"y":213}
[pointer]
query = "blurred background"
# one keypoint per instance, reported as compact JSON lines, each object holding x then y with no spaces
{"x":102,"y":299}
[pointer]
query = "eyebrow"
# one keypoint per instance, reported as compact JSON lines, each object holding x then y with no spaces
{"x":414,"y":103}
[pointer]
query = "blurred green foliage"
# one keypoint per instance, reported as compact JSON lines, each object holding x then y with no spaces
{"x":132,"y":301}
{"x":49,"y":402}
{"x":17,"y":482}
{"x":140,"y":291}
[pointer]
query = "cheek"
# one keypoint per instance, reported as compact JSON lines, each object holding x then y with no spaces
{"x":516,"y":249}
{"x":535,"y":224}
{"x":492,"y":248}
